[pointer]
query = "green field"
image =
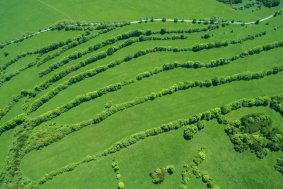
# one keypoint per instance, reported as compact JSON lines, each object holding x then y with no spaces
{"x":141,"y":94}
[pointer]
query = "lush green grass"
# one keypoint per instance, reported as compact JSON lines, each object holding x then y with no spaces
{"x":227,"y":167}
{"x":169,"y":108}
{"x":18,"y":18}
{"x":220,"y":158}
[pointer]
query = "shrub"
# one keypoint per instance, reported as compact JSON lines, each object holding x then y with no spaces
{"x":162,"y":31}
{"x":121,"y":185}
{"x":158,"y":175}
{"x":201,"y":124}
{"x":170,"y":169}
{"x":190,"y":131}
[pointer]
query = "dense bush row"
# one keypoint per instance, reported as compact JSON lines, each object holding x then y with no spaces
{"x":10,"y":105}
{"x":77,"y":55}
{"x":191,"y":130}
{"x":270,"y":3}
{"x":61,"y":26}
{"x":93,"y":72}
{"x":127,"y":35}
{"x":231,"y":1}
{"x":211,"y":64}
{"x":78,"y":100}
{"x":68,"y":44}
{"x":18,"y":120}
{"x":121,"y":107}
{"x":89,"y":73}
{"x":200,"y":47}
{"x":130,"y":140}
{"x":5,"y":66}
{"x":6,"y":78}
{"x":76,"y":42}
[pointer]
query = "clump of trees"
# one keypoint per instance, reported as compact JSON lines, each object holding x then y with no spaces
{"x":270,"y":3}
{"x":254,"y":132}
{"x":190,"y":131}
{"x":158,"y":175}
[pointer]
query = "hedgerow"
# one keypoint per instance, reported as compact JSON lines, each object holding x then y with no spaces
{"x":130,"y":140}
{"x":140,"y":100}
{"x":93,"y":72}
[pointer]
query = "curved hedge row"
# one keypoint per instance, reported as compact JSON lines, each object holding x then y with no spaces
{"x":102,"y":55}
{"x":133,"y":139}
{"x":69,"y":43}
{"x":109,"y":51}
{"x":127,"y":35}
{"x":10,"y":76}
{"x":211,"y":64}
{"x":139,"y":100}
{"x":18,"y":120}
{"x":76,"y":42}
{"x":95,"y":71}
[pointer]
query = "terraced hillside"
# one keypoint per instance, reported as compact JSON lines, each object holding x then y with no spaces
{"x":153,"y":103}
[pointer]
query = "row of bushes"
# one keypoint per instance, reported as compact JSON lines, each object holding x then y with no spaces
{"x":102,"y":55}
{"x":76,"y":42}
{"x":69,"y":43}
{"x":61,"y":26}
{"x":86,"y":74}
{"x":270,"y":3}
{"x":200,"y":47}
{"x":10,"y":105}
{"x":109,"y":51}
{"x":191,"y":130}
{"x":18,"y":120}
{"x":135,"y":33}
{"x":211,"y":64}
{"x":130,"y":140}
{"x":5,"y":66}
{"x":174,"y":88}
{"x":78,"y":100}
{"x":6,"y":78}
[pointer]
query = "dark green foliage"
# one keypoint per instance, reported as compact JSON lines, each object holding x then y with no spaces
{"x":279,"y":165}
{"x":205,"y":36}
{"x":255,"y":122}
{"x":255,"y":133}
{"x":170,"y":169}
{"x":190,"y":131}
{"x":231,"y":1}
{"x":158,"y":175}
{"x":201,"y":124}
{"x":162,"y":31}
{"x":270,"y":3}
{"x":6,"y":54}
{"x":18,"y":120}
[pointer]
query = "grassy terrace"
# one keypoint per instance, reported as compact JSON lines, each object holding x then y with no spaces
{"x":78,"y":98}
